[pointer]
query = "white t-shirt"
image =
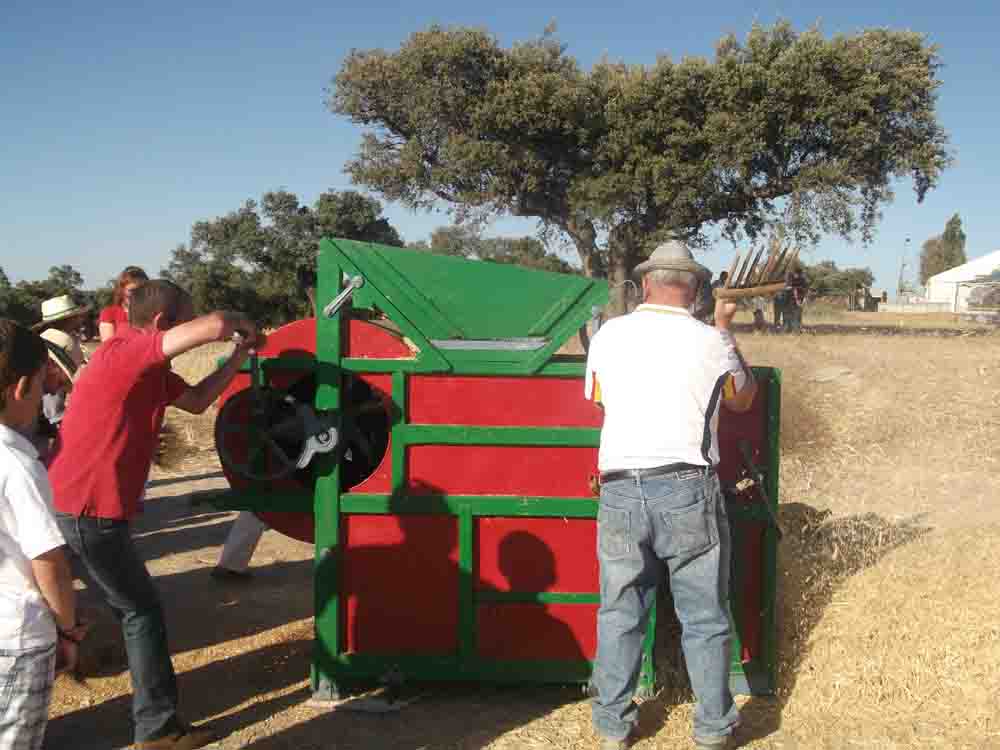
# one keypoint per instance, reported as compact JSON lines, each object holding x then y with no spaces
{"x":660,"y":374}
{"x":27,"y":530}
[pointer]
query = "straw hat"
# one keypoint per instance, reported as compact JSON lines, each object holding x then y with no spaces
{"x":59,"y":308}
{"x":64,"y":350}
{"x":673,"y":256}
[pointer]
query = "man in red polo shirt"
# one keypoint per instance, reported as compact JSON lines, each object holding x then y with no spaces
{"x":106,"y":446}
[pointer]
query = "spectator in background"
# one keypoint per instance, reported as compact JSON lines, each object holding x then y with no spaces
{"x":795,"y":296}
{"x":38,"y":629}
{"x":241,"y":542}
{"x":114,"y":317}
{"x":64,"y":314}
{"x":65,"y":357}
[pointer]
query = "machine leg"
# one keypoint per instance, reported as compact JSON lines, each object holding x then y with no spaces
{"x":647,"y":678}
{"x":325,"y":690}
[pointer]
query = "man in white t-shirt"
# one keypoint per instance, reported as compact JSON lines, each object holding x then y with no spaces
{"x":38,"y":627}
{"x":660,"y":376}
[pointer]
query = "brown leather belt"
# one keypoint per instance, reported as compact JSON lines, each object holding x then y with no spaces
{"x":655,"y":471}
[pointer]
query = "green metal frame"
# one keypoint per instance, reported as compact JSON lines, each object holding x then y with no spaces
{"x":422,"y":319}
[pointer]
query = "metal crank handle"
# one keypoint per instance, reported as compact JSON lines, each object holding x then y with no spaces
{"x":355,"y":282}
{"x":758,"y":478}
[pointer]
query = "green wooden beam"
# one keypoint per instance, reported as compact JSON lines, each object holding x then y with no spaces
{"x":539,"y":597}
{"x":479,"y":505}
{"x":583,"y":437}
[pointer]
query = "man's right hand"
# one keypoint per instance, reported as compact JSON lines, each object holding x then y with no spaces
{"x":240,"y":325}
{"x":725,"y":311}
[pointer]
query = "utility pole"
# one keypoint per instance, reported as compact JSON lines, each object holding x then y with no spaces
{"x":902,"y":270}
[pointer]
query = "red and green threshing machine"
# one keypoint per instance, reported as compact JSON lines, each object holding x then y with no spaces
{"x":427,"y":435}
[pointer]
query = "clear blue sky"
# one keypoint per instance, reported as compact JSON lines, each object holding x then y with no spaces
{"x":123,"y":123}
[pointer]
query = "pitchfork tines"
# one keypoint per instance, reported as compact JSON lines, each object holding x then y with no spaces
{"x":751,"y":278}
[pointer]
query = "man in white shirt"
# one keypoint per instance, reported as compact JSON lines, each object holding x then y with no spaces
{"x":38,"y":627}
{"x":660,"y":376}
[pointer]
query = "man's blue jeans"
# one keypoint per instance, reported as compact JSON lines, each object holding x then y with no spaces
{"x":106,"y":549}
{"x":678,"y":520}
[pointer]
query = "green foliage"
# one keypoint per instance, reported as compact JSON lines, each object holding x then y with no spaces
{"x":261,"y":258}
{"x":23,"y":301}
{"x":785,"y":129}
{"x":463,"y":241}
{"x":943,"y":251}
{"x":826,"y":279}
{"x":64,"y":280}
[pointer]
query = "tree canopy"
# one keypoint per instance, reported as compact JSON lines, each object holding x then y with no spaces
{"x":261,"y":257}
{"x":782,"y":129}
{"x":826,"y":278}
{"x":943,"y":251}
{"x":464,"y":241}
{"x":23,"y":301}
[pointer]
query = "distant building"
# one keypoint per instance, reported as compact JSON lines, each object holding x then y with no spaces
{"x":955,"y":285}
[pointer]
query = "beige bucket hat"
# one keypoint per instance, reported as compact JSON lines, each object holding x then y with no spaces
{"x":59,"y":308}
{"x":64,"y":350}
{"x":673,"y":255}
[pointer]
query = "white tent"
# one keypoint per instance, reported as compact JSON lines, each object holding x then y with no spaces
{"x":956,"y":284}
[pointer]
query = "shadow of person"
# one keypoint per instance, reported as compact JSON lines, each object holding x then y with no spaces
{"x":209,"y":690}
{"x":528,"y":629}
{"x":400,"y":579}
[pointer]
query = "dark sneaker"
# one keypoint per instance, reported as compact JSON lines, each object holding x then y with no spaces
{"x":188,"y":739}
{"x":232,"y":576}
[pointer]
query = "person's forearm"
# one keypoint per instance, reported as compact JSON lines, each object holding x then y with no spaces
{"x":730,"y":341}
{"x":212,"y":386}
{"x":216,"y":326}
{"x":55,"y":582}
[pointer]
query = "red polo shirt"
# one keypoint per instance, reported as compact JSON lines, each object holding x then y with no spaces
{"x":110,"y":431}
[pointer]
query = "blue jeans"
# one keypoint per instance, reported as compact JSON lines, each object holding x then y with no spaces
{"x":106,"y":549}
{"x":677,"y":519}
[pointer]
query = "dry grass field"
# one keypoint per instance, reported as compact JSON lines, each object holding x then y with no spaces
{"x":889,"y":621}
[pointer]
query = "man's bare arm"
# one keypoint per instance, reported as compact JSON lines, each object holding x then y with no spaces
{"x":197,"y":398}
{"x":739,"y":400}
{"x":216,"y":326}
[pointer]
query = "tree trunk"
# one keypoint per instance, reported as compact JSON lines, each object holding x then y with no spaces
{"x":617,"y":276}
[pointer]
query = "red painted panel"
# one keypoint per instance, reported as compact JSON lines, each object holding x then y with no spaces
{"x":508,"y":402}
{"x":536,"y":631}
{"x":750,"y":592}
{"x":366,"y":340}
{"x":751,"y":425}
{"x":502,"y":470}
{"x":399,"y":584}
{"x":537,"y":554}
{"x":748,"y":568}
